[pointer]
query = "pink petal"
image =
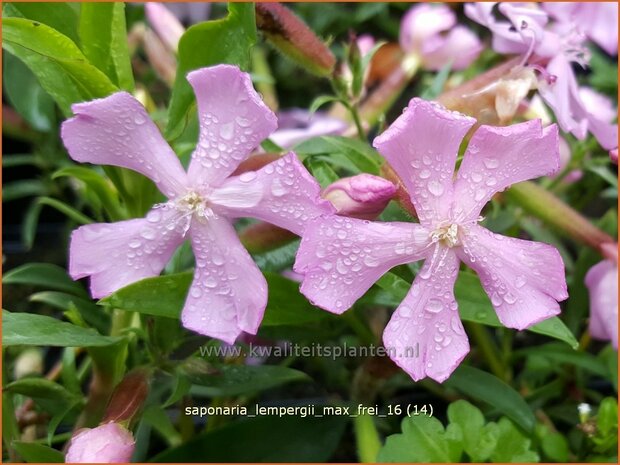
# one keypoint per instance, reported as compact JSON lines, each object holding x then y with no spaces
{"x":421,"y":146}
{"x":229,"y":293}
{"x":341,"y":258}
{"x":500,"y":156}
{"x":563,"y":97}
{"x":459,"y":47}
{"x":600,"y":20}
{"x":422,"y":22}
{"x":165,"y":23}
{"x":233,"y":122}
{"x":598,"y":105}
{"x":602,"y":283}
{"x":282,"y":193}
{"x":425,"y":336}
{"x":115,"y":255}
{"x":118,"y":131}
{"x":505,"y":38}
{"x":524,"y":279}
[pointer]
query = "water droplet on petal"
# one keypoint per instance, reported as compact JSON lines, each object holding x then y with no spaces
{"x":247,"y":176}
{"x":434,"y":306}
{"x":435,"y":188}
{"x":491,"y":163}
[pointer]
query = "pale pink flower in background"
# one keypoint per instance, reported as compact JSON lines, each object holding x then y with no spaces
{"x":109,"y":443}
{"x":341,"y":258}
{"x":551,"y":48}
{"x":229,"y":293}
{"x":165,"y":24}
{"x":297,"y":125}
{"x":602,"y":283}
{"x":190,"y":12}
{"x":362,"y":196}
{"x":598,"y":20}
{"x":430,"y":34}
{"x":613,"y":156}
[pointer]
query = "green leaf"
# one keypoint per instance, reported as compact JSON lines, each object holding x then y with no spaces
{"x":12,"y":160}
{"x":359,"y":153}
{"x":227,"y":40}
{"x":45,"y":275}
{"x":51,"y":396}
{"x":40,"y":330}
{"x":103,"y":36}
{"x":235,"y":380}
{"x":57,"y":15}
{"x":607,"y":416}
{"x":26,"y":95}
{"x":33,"y":452}
{"x":30,"y":224}
{"x":165,"y":296}
{"x":90,"y":313}
{"x":263,"y":439}
{"x":560,"y":354}
{"x":321,"y":170}
{"x":59,"y":65}
{"x":479,"y":439}
{"x":555,"y":446}
{"x":322,"y":100}
{"x":20,"y":189}
{"x":489,"y":389}
{"x":96,"y":183}
{"x":474,"y":305}
{"x":423,"y":439}
{"x":514,"y":446}
{"x":67,"y":210}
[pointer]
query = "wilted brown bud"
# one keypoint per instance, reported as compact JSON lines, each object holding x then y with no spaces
{"x":402,"y":196}
{"x":293,"y":38}
{"x":128,"y":397}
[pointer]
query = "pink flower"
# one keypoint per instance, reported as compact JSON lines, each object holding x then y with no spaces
{"x":602,"y":283}
{"x":341,"y":258}
{"x":297,"y":125}
{"x":109,"y":443}
{"x":229,"y":293}
{"x":363,"y":196}
{"x":430,"y":33}
{"x":598,"y":20}
{"x":556,"y":46}
{"x":613,"y":156}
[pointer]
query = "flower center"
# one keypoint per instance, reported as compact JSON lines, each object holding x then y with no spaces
{"x":447,"y":235}
{"x":192,"y":204}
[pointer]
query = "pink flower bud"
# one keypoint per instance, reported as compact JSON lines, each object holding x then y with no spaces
{"x":108,"y":443}
{"x":613,"y":156}
{"x":165,"y":24}
{"x":363,"y":196}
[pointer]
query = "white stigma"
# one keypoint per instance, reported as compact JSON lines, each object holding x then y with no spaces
{"x":447,"y":235}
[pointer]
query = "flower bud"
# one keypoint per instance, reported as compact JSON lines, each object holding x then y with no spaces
{"x":613,"y":156}
{"x":165,"y":24}
{"x":108,"y":443}
{"x":293,"y":38}
{"x":363,"y":196}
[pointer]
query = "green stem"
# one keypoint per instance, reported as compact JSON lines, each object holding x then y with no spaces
{"x":549,"y":208}
{"x":10,"y":428}
{"x":366,"y":438}
{"x":488,"y":348}
{"x":121,"y":319}
{"x":361,"y":330}
{"x":389,"y":90}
